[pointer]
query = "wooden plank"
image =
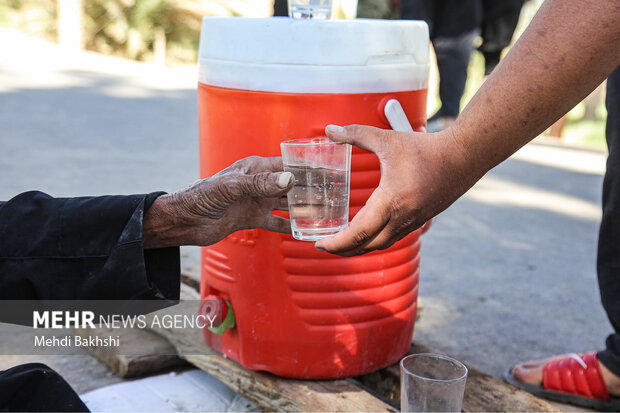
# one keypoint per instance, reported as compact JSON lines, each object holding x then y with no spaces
{"x":140,"y":352}
{"x":269,"y":392}
{"x":482,"y":391}
{"x":272,"y":393}
{"x":190,"y":279}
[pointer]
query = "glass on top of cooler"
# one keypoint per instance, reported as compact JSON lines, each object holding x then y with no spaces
{"x":322,"y":9}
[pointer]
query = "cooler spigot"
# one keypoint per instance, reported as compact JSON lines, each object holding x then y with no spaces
{"x":218,"y":314}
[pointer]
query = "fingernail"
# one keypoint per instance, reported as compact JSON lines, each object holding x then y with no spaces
{"x":284,"y":179}
{"x":334,"y":129}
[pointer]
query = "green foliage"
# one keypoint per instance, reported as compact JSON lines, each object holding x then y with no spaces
{"x":129,"y":28}
{"x":587,"y":133}
{"x":35,"y":17}
{"x":376,"y":9}
{"x":126,"y":28}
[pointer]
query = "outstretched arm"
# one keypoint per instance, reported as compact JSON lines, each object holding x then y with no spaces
{"x":126,"y":247}
{"x":241,"y":196}
{"x":570,"y":47}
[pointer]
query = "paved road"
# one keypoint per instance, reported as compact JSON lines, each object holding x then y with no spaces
{"x":507,"y":273}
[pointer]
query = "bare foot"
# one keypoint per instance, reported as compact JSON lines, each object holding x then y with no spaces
{"x":532,"y":372}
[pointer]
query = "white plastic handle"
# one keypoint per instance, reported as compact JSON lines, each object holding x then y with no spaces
{"x":396,"y":116}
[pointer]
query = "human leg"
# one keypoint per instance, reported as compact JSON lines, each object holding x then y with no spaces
{"x":608,"y":261}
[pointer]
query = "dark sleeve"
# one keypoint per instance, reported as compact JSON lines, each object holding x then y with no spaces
{"x":280,"y":8}
{"x":82,"y":248}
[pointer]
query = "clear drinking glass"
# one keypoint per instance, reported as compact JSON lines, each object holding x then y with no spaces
{"x":431,"y":383}
{"x":319,"y":201}
{"x":310,"y":9}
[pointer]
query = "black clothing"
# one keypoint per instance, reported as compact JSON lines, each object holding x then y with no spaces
{"x":495,"y":8}
{"x":448,"y":18}
{"x":68,"y":249}
{"x":280,"y":8}
{"x":499,"y":21}
{"x":445,"y":18}
{"x":453,"y":55}
{"x":35,"y":387}
{"x":608,"y":262}
{"x":453,"y":27}
{"x":82,"y":248}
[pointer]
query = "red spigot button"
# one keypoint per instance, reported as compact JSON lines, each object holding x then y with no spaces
{"x":215,"y":309}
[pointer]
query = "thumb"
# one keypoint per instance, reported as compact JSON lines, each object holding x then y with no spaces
{"x":366,"y":137}
{"x":266,"y":184}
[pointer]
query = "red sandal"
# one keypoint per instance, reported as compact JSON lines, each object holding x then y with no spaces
{"x":572,"y":378}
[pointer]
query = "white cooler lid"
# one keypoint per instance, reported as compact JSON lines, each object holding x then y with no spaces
{"x":281,"y":54}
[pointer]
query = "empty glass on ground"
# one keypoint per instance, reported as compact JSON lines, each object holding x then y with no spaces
{"x":431,"y":383}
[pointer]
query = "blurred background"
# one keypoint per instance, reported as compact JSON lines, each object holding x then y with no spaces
{"x":166,"y":32}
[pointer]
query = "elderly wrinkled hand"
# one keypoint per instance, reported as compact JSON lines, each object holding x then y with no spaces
{"x":421,"y":175}
{"x":241,"y":196}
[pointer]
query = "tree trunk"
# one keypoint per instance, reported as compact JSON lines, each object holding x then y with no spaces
{"x":159,"y":46}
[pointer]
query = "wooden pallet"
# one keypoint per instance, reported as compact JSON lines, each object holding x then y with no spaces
{"x":378,"y":391}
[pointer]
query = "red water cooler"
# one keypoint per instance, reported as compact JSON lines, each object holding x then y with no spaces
{"x":290,"y":309}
